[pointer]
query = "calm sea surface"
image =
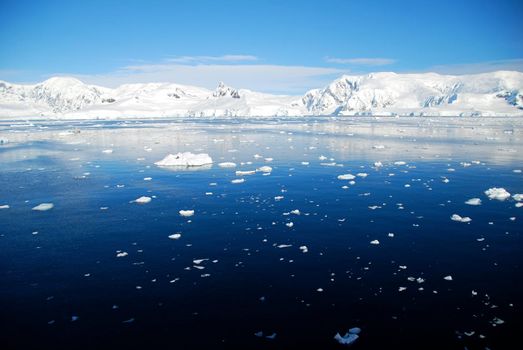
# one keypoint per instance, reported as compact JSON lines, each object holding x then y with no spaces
{"x":286,"y":259}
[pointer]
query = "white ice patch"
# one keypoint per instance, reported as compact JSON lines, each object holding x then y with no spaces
{"x":5,"y":206}
{"x":264,"y":169}
{"x":143,"y":200}
{"x":237,"y":181}
{"x":458,"y":218}
{"x":518,"y":197}
{"x":175,"y":236}
{"x":186,"y":213}
{"x":375,"y":242}
{"x":304,"y":249}
{"x":43,"y":207}
{"x":246,"y":172}
{"x":346,"y":177}
{"x":107,"y":151}
{"x":448,"y":278}
{"x":185,"y":159}
{"x":497,"y":193}
{"x":473,"y":201}
{"x":121,"y":254}
{"x":227,"y":165}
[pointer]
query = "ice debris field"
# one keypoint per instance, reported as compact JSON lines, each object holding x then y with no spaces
{"x":283,"y":233}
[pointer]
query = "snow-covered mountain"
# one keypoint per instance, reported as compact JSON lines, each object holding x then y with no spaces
{"x":489,"y":94}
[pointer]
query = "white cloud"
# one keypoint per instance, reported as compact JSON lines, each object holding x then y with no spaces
{"x":479,"y":67}
{"x":361,"y":61}
{"x":203,"y":59}
{"x":258,"y":77}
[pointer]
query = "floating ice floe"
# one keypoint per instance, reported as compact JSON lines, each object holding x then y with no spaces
{"x":362,"y":175}
{"x":107,"y":151}
{"x":238,"y":181}
{"x":43,"y":207}
{"x":227,"y":165}
{"x":278,"y":198}
{"x":147,"y":178}
{"x":304,"y":249}
{"x":400,"y":162}
{"x":304,"y":163}
{"x":5,"y":206}
{"x":346,"y":177}
{"x":448,"y":278}
{"x":289,"y":224}
{"x":473,"y":201}
{"x":456,"y":217}
{"x":284,"y":246}
{"x":497,"y":193}
{"x":375,"y":242}
{"x":378,"y":164}
{"x":186,"y":213}
{"x":518,"y":197}
{"x":185,"y":159}
{"x":121,"y":254}
{"x":295,"y":212}
{"x":245,"y":172}
{"x":143,"y":200}
{"x":264,"y":169}
{"x":175,"y":236}
{"x":349,"y":338}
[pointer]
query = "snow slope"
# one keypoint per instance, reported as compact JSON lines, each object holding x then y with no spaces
{"x":488,"y":94}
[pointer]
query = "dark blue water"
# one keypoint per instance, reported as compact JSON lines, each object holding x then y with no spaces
{"x":62,"y":285}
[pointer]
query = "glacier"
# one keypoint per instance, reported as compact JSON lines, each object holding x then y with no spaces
{"x":376,"y":94}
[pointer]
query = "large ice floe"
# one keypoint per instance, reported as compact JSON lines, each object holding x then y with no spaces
{"x":497,"y":193}
{"x":185,"y":159}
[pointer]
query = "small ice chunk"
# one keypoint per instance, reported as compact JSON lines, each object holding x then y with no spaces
{"x":473,"y":201}
{"x":456,"y":217}
{"x":175,"y":236}
{"x":107,"y":151}
{"x":264,"y":169}
{"x":295,"y":212}
{"x":247,"y":172}
{"x":448,"y":278}
{"x":186,"y":159}
{"x":271,"y":337}
{"x":278,"y":198}
{"x":497,"y":193}
{"x":322,"y":157}
{"x":400,"y":162}
{"x":147,"y":178}
{"x":199,"y":261}
{"x":143,"y":200}
{"x":5,"y":206}
{"x":289,"y":224}
{"x":518,"y":197}
{"x":238,"y":181}
{"x":284,"y":246}
{"x":355,"y":330}
{"x":346,"y":177}
{"x":347,"y":339}
{"x":227,"y":165}
{"x":401,"y":289}
{"x":304,"y":163}
{"x":258,"y":334}
{"x":378,"y":164}
{"x":186,"y":213}
{"x":43,"y":207}
{"x":121,"y":254}
{"x":362,"y":175}
{"x":304,"y":249}
{"x":375,"y":242}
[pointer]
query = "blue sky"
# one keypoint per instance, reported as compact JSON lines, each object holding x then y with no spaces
{"x":278,"y":46}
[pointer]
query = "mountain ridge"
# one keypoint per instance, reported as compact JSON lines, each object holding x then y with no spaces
{"x":497,"y":93}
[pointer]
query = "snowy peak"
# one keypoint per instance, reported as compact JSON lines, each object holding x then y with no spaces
{"x":381,"y":93}
{"x":225,"y":91}
{"x":488,"y":94}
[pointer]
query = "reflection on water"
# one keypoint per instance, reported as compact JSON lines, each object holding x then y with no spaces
{"x":297,"y":252}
